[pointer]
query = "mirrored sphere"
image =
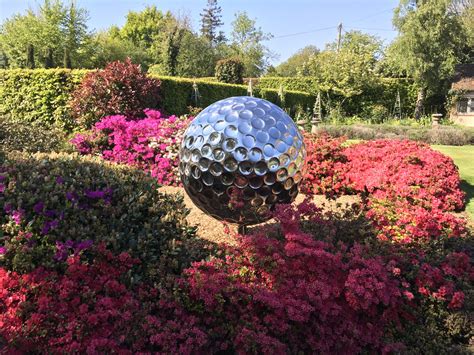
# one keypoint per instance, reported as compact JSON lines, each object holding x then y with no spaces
{"x":240,"y":157}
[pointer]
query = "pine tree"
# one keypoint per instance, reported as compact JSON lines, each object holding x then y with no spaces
{"x":48,"y":61}
{"x":211,"y":21}
{"x":30,"y":56}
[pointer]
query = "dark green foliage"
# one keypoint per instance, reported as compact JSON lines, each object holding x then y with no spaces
{"x":230,"y":71}
{"x":30,"y":56}
{"x":67,"y":59}
{"x":132,"y":215}
{"x":48,"y":60}
{"x":177,"y":94}
{"x":30,"y":137}
{"x":40,"y":95}
{"x":445,"y":135}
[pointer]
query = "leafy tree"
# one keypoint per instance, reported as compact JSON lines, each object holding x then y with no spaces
{"x":144,"y":27}
{"x":211,"y":20}
{"x":247,"y":44}
{"x":296,"y":62}
{"x":67,"y":58}
{"x":52,"y":25}
{"x":109,"y":46}
{"x":196,"y":58}
{"x":350,"y":71}
{"x":429,"y":45}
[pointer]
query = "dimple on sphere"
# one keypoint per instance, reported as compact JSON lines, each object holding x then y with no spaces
{"x":240,"y":157}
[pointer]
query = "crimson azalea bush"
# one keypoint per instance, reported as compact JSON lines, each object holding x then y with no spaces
{"x":410,"y":190}
{"x":150,"y":144}
{"x":119,"y":88}
{"x":300,"y":289}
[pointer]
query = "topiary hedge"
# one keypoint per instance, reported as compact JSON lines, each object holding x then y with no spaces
{"x":54,"y":205}
{"x":44,"y":94}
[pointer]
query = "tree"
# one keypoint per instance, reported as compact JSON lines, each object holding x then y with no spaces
{"x":211,"y":21}
{"x":144,"y":27}
{"x":247,"y":44}
{"x":67,"y":59}
{"x":49,"y":62}
{"x":296,"y":62}
{"x":30,"y":56}
{"x":109,"y":46}
{"x":349,"y":72}
{"x":52,"y":25}
{"x":429,"y":45}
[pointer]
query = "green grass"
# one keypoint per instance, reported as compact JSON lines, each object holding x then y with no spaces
{"x":464,"y":158}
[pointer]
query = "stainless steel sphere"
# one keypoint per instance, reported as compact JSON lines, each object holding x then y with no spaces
{"x":239,"y":157}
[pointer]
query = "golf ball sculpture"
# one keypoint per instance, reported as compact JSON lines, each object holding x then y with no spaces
{"x":239,"y":157}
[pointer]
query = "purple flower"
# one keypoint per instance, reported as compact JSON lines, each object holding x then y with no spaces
{"x":50,"y":213}
{"x":95,"y":194}
{"x":2,"y":177}
{"x":8,"y":208}
{"x":2,"y":188}
{"x":83,"y":245}
{"x":48,"y":226}
{"x":38,"y":207}
{"x":3,"y":250}
{"x":59,"y":180}
{"x":71,"y":196}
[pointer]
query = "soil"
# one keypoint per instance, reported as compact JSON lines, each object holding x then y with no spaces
{"x":213,"y":230}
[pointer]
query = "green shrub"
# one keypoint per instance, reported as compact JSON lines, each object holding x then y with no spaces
{"x":120,"y":88}
{"x":445,"y":135}
{"x":63,"y":198}
{"x":230,"y":70}
{"x":40,"y":95}
{"x":30,"y":137}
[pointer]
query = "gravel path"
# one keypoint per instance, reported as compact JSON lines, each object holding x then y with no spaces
{"x":213,"y":230}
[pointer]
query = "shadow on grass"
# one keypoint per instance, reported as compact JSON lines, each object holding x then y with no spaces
{"x":469,"y":190}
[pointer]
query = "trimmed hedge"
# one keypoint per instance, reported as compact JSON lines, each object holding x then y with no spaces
{"x":39,"y":95}
{"x":43,"y":95}
{"x":382,"y":94}
{"x":178,"y":94}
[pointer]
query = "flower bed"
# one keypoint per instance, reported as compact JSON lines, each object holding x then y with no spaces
{"x":94,"y":259}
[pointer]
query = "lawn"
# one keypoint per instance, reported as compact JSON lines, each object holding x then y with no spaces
{"x":463,"y":156}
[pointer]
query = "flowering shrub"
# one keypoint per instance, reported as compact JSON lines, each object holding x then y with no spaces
{"x":297,"y":289}
{"x":57,"y":205}
{"x":409,"y":188}
{"x":120,"y":88}
{"x":323,"y":167}
{"x":89,"y":309}
{"x":151,"y":144}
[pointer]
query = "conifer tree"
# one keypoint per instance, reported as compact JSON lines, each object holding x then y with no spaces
{"x":211,"y":20}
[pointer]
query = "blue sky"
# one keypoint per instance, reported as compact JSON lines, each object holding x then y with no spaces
{"x":294,"y":23}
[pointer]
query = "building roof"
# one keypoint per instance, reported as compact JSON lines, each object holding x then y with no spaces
{"x":463,"y":78}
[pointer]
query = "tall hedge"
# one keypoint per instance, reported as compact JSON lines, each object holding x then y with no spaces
{"x":384,"y":93}
{"x":42,"y":95}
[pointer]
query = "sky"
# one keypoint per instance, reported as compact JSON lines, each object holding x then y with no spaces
{"x":293,"y":23}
